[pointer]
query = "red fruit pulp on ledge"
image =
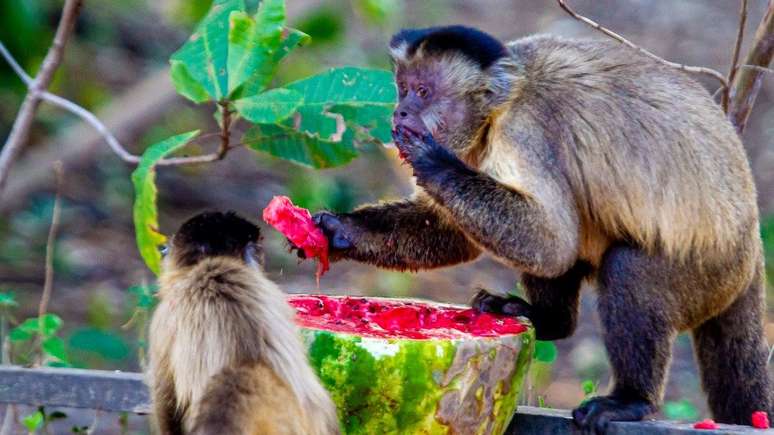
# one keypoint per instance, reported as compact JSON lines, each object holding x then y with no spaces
{"x":296,"y":224}
{"x":705,"y":424}
{"x":391,"y":318}
{"x":760,"y":420}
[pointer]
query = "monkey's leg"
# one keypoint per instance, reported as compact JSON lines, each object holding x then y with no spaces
{"x":399,"y":235}
{"x":732,"y":354}
{"x":638,"y":335}
{"x":553,"y":302}
{"x":167,"y":416}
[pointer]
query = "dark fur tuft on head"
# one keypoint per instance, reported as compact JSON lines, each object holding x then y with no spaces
{"x":476,"y":45}
{"x":212,"y":234}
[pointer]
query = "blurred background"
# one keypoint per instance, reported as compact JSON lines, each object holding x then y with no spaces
{"x":116,"y":65}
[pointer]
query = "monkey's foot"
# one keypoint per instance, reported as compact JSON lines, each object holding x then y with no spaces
{"x":594,"y":415}
{"x":509,"y":306}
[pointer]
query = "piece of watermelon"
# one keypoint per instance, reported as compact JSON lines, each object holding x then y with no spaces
{"x":296,"y":224}
{"x":399,"y":366}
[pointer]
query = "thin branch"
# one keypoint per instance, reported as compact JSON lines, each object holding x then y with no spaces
{"x":98,"y":125}
{"x":48,"y":284}
{"x":737,"y":50}
{"x":757,"y":68}
{"x":690,"y":69}
{"x":747,"y":82}
{"x":21,"y":126}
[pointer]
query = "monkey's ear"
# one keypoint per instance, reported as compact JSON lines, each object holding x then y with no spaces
{"x":253,"y":255}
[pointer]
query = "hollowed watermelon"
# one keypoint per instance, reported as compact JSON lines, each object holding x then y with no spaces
{"x":397,"y":366}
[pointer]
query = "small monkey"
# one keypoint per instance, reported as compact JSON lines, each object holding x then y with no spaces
{"x":580,"y":160}
{"x":225,"y":354}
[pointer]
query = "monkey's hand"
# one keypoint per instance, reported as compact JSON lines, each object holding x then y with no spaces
{"x":510,"y":306}
{"x":429,"y":159}
{"x":338,"y":232}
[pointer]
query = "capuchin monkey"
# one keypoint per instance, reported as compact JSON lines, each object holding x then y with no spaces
{"x":225,"y":354}
{"x":572,"y":160}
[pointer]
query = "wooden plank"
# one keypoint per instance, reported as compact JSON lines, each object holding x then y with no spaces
{"x":74,"y":388}
{"x":126,"y":392}
{"x":531,"y":420}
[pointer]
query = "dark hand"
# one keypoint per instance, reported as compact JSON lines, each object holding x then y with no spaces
{"x":338,"y":233}
{"x":426,"y":156}
{"x":486,"y":302}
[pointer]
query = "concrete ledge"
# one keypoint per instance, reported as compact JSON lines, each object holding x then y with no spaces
{"x":126,"y":392}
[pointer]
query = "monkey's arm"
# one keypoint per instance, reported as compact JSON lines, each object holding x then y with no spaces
{"x":529,"y":233}
{"x":165,"y":410}
{"x":406,"y":234}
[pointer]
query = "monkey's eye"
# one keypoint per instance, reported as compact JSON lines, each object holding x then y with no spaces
{"x":422,"y":91}
{"x":163,"y":250}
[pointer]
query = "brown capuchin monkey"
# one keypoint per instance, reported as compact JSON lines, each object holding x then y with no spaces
{"x":573,"y":160}
{"x":225,"y":354}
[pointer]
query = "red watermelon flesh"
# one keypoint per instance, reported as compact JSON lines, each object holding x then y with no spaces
{"x":296,"y":224}
{"x":389,"y":318}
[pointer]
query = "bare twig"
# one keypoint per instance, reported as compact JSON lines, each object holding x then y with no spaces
{"x":48,"y":284}
{"x":747,"y":82}
{"x":92,"y":120}
{"x":225,"y":132}
{"x":690,"y":69}
{"x":735,"y":56}
{"x":757,"y":68}
{"x":21,"y":126}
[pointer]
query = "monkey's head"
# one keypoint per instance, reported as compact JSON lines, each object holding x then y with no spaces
{"x":215,"y":234}
{"x":446,"y":80}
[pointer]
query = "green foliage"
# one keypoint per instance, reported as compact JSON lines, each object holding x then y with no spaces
{"x":7,"y":300}
{"x":324,"y":25}
{"x":545,"y":351}
{"x":589,"y":388}
{"x":767,"y":233}
{"x":145,"y":213}
{"x":270,"y":107}
{"x":104,"y":344}
{"x":680,"y":410}
{"x":34,"y":421}
{"x":43,"y":329}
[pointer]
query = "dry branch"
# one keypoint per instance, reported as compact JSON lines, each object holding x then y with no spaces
{"x":689,"y":69}
{"x":747,"y":83}
{"x":21,"y":127}
{"x":48,"y":284}
{"x":735,"y":57}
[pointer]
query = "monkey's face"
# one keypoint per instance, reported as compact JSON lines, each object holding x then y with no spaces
{"x":430,"y":100}
{"x":215,"y":234}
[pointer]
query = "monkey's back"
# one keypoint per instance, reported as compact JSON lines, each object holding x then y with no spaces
{"x":649,"y":156}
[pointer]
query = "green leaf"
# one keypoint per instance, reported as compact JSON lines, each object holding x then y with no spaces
{"x":145,"y":296}
{"x":269,"y":107}
{"x":58,"y":364}
{"x":107,"y":345}
{"x":205,"y":53}
{"x":252,"y":43}
{"x":145,"y":212}
{"x":18,"y":334}
{"x":49,"y":324}
{"x":55,"y":347}
{"x":289,"y":144}
{"x":545,"y":351}
{"x":680,"y":410}
{"x":185,"y":84}
{"x":589,"y":387}
{"x":7,"y":299}
{"x":34,"y":421}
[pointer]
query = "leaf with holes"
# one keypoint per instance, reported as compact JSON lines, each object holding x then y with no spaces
{"x":269,"y":107}
{"x":290,"y":144}
{"x":205,"y":55}
{"x":363,"y":97}
{"x":144,"y":211}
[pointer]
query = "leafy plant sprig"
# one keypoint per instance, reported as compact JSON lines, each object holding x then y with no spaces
{"x":230,"y":62}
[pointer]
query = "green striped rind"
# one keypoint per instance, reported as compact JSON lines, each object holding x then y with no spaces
{"x":400,"y":386}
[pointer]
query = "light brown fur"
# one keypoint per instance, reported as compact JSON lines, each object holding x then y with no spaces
{"x":222,"y":329}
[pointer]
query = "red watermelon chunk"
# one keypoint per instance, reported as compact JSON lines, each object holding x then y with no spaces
{"x":296,"y":224}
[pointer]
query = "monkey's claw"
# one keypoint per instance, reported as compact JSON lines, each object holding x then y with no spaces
{"x":594,"y":415}
{"x":339,"y":237}
{"x":510,"y":306}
